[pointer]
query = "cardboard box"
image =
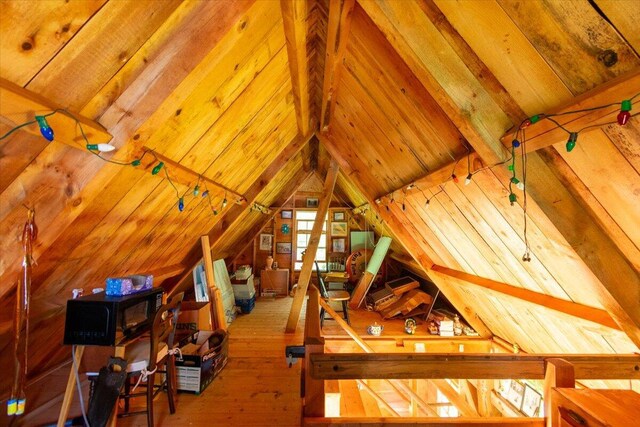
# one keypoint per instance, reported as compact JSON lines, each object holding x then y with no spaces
{"x":204,"y":355}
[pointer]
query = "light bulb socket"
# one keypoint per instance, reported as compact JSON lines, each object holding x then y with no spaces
{"x":512,"y":198}
{"x":136,"y":162}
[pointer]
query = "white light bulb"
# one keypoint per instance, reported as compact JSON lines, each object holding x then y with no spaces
{"x":520,"y":186}
{"x":105,"y":148}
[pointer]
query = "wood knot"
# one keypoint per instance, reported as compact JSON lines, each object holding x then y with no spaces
{"x":608,"y":57}
{"x":27,"y":45}
{"x":243,"y":24}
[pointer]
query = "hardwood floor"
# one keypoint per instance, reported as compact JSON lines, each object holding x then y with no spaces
{"x":256,"y":388}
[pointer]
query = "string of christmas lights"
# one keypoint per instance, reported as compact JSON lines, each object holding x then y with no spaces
{"x":623,"y":108}
{"x":96,"y":149}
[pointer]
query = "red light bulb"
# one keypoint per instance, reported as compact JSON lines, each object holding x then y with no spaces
{"x":624,"y":115}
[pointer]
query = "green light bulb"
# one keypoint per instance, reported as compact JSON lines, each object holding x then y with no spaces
{"x":157,"y":168}
{"x":571,"y":143}
{"x":136,"y":162}
{"x":196,"y":190}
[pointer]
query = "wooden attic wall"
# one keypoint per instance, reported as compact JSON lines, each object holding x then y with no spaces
{"x":222,"y":107}
{"x":382,"y":100}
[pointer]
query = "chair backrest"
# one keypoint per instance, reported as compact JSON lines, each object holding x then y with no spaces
{"x":323,"y":289}
{"x":164,"y":327}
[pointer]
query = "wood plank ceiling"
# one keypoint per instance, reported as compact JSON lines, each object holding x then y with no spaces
{"x":413,"y":88}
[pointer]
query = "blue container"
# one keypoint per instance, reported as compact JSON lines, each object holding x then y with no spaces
{"x":246,"y":305}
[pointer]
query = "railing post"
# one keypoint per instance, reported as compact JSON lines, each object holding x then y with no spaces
{"x":313,"y":344}
{"x":558,"y":373}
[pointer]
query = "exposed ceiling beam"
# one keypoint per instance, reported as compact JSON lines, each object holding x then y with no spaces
{"x":312,"y":246}
{"x":545,"y":133}
{"x":443,"y":174}
{"x":294,"y":16}
{"x":337,"y":35}
{"x":310,"y":155}
{"x":458,"y":400}
{"x":183,"y":175}
{"x":618,"y":285}
{"x":19,"y":105}
{"x":412,"y":240}
{"x":567,"y":307}
{"x":335,"y":366}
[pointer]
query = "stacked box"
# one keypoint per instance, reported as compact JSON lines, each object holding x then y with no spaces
{"x":246,"y":304}
{"x":204,"y":355}
{"x":243,"y":289}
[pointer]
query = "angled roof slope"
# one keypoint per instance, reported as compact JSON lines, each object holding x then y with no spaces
{"x":406,"y":92}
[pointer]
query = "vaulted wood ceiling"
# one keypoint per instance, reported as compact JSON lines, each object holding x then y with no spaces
{"x":398,"y":92}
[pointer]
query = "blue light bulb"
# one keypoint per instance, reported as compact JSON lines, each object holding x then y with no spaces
{"x":181,"y":204}
{"x":45,"y":129}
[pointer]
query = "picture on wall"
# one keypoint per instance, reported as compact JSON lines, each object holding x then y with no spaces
{"x":312,"y":202}
{"x":286,"y":214}
{"x":515,"y":394}
{"x":531,"y":401}
{"x":338,"y":228}
{"x":339,"y":245}
{"x":283,"y":248}
{"x":265,"y":242}
{"x":338,"y":216}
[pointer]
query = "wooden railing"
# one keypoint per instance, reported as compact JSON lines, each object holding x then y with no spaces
{"x":313,"y":388}
{"x":556,"y":370}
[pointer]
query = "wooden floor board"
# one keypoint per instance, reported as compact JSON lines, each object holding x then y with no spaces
{"x":256,"y":388}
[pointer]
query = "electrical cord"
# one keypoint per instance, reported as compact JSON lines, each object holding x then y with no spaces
{"x":75,"y":368}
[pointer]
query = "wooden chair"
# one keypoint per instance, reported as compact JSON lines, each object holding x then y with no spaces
{"x":147,"y":354}
{"x":332,"y":296}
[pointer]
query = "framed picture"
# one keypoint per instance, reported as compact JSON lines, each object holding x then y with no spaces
{"x":266,"y":242}
{"x":531,"y":401}
{"x":338,"y":228}
{"x":339,"y":245}
{"x":338,"y":216}
{"x":286,"y":214}
{"x":515,"y":394}
{"x":283,"y":248}
{"x":312,"y":202}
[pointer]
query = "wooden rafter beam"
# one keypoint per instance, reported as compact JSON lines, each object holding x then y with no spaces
{"x":469,"y":366}
{"x":338,"y":27}
{"x":19,"y":105}
{"x":581,"y":311}
{"x":294,"y":17}
{"x":457,"y":399}
{"x":545,"y":133}
{"x":314,"y":240}
{"x":441,"y":175}
{"x":183,"y":175}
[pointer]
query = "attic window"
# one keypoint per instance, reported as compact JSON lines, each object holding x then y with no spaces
{"x":304,"y":225}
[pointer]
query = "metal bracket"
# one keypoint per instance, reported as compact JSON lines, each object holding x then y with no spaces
{"x":293,"y":353}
